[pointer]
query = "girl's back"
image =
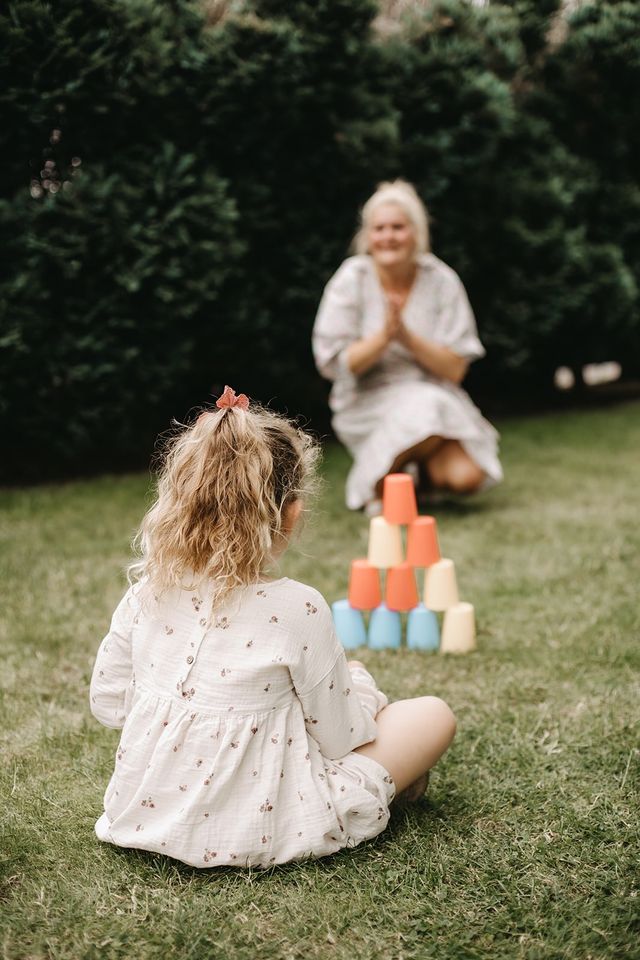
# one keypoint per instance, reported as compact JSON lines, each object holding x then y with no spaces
{"x":233,"y":721}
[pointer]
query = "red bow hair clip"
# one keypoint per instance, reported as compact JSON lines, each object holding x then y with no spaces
{"x":229,"y":399}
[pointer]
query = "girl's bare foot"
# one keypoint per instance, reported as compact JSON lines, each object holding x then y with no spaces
{"x":415,"y":790}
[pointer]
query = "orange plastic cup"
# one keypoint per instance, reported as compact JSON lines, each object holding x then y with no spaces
{"x":399,"y":498}
{"x":401,"y":591}
{"x":422,"y":542}
{"x":364,"y":586}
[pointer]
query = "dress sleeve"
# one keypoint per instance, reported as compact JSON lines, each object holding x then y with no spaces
{"x":337,"y":323}
{"x":456,"y":326}
{"x":112,"y":677}
{"x":339,"y":705}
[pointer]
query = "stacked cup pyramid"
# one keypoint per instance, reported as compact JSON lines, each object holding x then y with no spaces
{"x":386,"y":553}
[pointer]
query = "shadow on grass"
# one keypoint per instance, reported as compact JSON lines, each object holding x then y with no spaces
{"x":425,"y":816}
{"x":474,"y":505}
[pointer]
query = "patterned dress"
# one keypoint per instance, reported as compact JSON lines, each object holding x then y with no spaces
{"x":238,"y":728}
{"x":396,"y":403}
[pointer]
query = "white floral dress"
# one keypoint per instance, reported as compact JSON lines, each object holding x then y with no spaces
{"x":396,"y":404}
{"x":237,"y":728}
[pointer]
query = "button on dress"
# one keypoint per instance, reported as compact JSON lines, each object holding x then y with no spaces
{"x":396,"y":404}
{"x":238,"y":728}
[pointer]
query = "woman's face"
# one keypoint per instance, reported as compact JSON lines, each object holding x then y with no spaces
{"x":392,"y":240}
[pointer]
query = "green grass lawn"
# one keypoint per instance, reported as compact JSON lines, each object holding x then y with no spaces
{"x":527,"y":842}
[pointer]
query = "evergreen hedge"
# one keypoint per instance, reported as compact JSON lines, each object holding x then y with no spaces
{"x":176,"y":196}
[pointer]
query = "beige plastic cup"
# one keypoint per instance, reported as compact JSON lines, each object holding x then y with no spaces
{"x":385,"y":544}
{"x":459,"y":629}
{"x":440,"y":585}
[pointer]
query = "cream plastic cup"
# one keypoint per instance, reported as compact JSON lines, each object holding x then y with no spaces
{"x":385,"y":544}
{"x":459,"y":629}
{"x":440,"y":585}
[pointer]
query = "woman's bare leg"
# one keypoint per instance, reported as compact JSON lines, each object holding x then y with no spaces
{"x":450,"y":467}
{"x":412,"y":736}
{"x":419,"y":453}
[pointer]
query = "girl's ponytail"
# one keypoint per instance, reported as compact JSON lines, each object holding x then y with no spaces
{"x":223,"y":486}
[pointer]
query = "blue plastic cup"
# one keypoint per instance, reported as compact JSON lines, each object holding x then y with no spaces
{"x":423,"y":631}
{"x":385,"y":628}
{"x":349,"y":625}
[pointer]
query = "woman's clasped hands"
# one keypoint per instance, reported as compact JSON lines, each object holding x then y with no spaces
{"x":394,"y":327}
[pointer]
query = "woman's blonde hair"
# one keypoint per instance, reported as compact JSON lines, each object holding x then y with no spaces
{"x":223,"y":486}
{"x":401,"y":194}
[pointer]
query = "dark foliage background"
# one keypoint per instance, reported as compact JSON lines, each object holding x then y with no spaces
{"x":176,"y":195}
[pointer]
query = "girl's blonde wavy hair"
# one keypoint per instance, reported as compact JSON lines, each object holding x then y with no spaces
{"x":224,"y":484}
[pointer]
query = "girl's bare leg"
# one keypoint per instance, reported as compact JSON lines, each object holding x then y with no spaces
{"x":450,"y":467}
{"x":412,"y":736}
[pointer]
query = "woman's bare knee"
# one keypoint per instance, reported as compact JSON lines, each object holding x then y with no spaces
{"x":465,"y":477}
{"x":452,"y":468}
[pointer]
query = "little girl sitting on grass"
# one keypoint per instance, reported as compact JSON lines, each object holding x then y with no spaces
{"x":247,"y":738}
